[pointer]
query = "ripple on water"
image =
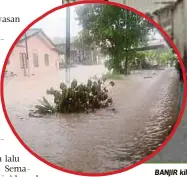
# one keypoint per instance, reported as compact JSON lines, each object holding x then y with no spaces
{"x":105,"y":140}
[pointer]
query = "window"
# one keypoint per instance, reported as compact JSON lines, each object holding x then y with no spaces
{"x":35,"y":60}
{"x":46,"y":57}
{"x":23,"y":63}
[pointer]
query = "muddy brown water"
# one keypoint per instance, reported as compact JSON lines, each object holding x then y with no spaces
{"x":104,"y":141}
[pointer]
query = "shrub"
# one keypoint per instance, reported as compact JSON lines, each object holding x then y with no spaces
{"x":77,"y":98}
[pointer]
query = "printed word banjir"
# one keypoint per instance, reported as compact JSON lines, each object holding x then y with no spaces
{"x":171,"y":172}
{"x":9,"y":19}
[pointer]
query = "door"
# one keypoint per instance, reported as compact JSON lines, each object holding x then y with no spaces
{"x":24,"y":63}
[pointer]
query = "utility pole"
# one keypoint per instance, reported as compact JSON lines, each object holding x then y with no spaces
{"x":67,"y":44}
{"x":67,"y":58}
{"x":67,"y":71}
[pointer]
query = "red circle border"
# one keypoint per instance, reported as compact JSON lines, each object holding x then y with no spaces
{"x":121,"y":6}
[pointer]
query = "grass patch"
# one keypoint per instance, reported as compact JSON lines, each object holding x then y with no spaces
{"x":113,"y":76}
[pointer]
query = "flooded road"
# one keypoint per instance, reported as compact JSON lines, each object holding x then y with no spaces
{"x":145,"y":110}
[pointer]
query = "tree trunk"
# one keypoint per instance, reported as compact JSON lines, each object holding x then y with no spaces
{"x":126,"y":66}
{"x":140,"y":64}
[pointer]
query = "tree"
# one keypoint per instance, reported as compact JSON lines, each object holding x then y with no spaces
{"x":151,"y":54}
{"x":115,"y":30}
{"x":58,"y":40}
{"x":139,"y":60}
{"x":85,"y":47}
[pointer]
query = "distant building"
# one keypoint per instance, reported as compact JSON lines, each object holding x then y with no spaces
{"x":43,"y":56}
{"x":73,"y":52}
{"x":172,"y":18}
{"x":78,"y":54}
{"x":164,"y":17}
{"x":145,"y":6}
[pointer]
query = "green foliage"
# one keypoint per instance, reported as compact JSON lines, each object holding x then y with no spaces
{"x":139,"y":61}
{"x":147,"y":59}
{"x":77,"y":98}
{"x":45,"y":107}
{"x":168,"y":56}
{"x":113,"y":76}
{"x":151,"y":54}
{"x":80,"y":43}
{"x":115,"y":30}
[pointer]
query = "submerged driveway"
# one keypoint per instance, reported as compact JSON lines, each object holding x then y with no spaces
{"x":145,"y":110}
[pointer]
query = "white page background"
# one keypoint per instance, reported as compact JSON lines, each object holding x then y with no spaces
{"x":28,"y":10}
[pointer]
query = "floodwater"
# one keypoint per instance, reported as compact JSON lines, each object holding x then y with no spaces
{"x":145,"y":111}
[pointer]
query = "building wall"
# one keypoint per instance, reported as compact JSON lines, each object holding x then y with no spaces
{"x":35,"y":46}
{"x":143,"y":5}
{"x":164,"y":19}
{"x":14,"y":61}
{"x":178,"y":20}
{"x":179,"y":27}
{"x":185,"y":23}
{"x":73,"y":51}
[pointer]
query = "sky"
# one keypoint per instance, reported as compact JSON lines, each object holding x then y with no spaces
{"x":54,"y":25}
